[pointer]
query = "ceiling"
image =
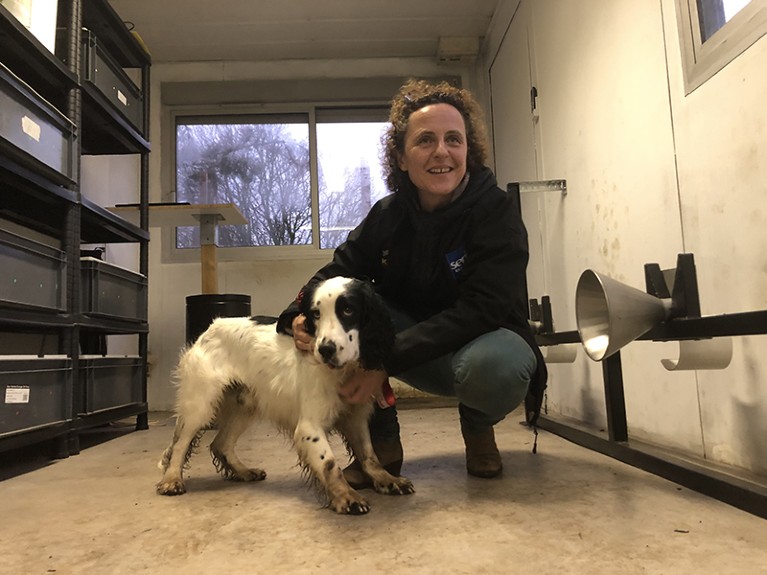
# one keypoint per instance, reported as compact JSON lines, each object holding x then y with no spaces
{"x":203,"y":30}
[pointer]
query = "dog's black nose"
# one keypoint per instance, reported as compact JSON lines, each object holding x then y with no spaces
{"x":327,"y":350}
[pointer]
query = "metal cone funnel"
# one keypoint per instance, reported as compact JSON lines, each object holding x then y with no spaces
{"x":610,"y":314}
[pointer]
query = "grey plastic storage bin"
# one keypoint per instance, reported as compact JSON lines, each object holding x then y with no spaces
{"x":100,"y":69}
{"x":112,"y":382}
{"x":32,"y":131}
{"x":35,"y":392}
{"x":111,"y":291}
{"x":33,"y":274}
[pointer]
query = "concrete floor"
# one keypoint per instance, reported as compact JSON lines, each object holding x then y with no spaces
{"x":565,"y":510}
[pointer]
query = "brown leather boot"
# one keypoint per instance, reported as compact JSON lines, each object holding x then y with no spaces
{"x":389,"y":454}
{"x":482,"y":456}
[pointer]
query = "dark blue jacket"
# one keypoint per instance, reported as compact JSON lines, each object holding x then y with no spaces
{"x":458,"y":271}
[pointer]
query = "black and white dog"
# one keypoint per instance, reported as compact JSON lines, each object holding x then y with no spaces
{"x":239,"y":369}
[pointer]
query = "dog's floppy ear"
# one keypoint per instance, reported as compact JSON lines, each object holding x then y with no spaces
{"x":376,"y":329}
{"x":305,"y":298}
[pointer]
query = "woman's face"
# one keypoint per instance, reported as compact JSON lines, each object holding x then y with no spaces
{"x":434,"y":154}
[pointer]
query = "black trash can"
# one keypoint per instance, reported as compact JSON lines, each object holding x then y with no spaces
{"x":202,"y":309}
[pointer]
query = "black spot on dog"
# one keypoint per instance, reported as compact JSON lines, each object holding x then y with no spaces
{"x":329,"y":466}
{"x":315,"y":439}
{"x":264,"y":319}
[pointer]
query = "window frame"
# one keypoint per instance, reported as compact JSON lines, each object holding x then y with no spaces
{"x":702,"y":60}
{"x":171,"y":254}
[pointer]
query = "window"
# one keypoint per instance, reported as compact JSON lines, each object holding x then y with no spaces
{"x":302,"y":179}
{"x":715,"y":32}
{"x":350,"y":174}
{"x":258,"y":163}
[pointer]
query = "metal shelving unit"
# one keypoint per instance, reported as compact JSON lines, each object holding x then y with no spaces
{"x":34,"y":197}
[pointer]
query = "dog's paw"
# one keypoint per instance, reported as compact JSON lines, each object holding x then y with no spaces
{"x":254,"y":474}
{"x":398,"y":486}
{"x":171,"y":488}
{"x":358,"y":508}
{"x":350,"y":505}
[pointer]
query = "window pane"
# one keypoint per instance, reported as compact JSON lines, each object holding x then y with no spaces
{"x":713,"y":14}
{"x":350,"y":178}
{"x":260,"y":164}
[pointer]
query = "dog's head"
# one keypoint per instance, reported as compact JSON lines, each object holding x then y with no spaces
{"x":349,"y":323}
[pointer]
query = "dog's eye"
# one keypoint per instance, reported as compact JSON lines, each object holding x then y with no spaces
{"x":316,"y":314}
{"x":348,"y":311}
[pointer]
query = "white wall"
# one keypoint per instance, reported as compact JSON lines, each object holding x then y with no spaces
{"x":271,"y":284}
{"x":110,"y":180}
{"x":651,"y":173}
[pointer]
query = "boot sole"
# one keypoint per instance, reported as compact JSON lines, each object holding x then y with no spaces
{"x":485,"y":474}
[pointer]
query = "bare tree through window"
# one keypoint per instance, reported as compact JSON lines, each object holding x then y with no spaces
{"x":259,"y":167}
{"x":263,"y":166}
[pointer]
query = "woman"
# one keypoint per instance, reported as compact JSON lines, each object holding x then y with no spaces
{"x":447,"y":250}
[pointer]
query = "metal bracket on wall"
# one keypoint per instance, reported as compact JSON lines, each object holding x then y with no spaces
{"x":541,"y":186}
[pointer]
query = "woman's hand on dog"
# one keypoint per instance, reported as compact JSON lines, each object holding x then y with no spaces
{"x":301,"y":337}
{"x":363,"y":385}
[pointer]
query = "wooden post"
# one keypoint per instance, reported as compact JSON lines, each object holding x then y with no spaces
{"x":209,"y":265}
{"x":209,"y":269}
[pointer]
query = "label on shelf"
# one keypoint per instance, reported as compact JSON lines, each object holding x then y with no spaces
{"x":30,"y":128}
{"x":17,"y":394}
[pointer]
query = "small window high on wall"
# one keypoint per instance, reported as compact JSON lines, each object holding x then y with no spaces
{"x":715,"y":32}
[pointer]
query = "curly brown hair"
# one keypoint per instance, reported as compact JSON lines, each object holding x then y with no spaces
{"x":414,"y":95}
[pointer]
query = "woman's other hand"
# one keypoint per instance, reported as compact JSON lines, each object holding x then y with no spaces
{"x":363,"y":385}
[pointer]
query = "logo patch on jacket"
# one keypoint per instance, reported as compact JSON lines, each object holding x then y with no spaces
{"x":455,"y":260}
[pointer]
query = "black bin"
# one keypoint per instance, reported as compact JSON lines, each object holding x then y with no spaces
{"x":202,"y":309}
